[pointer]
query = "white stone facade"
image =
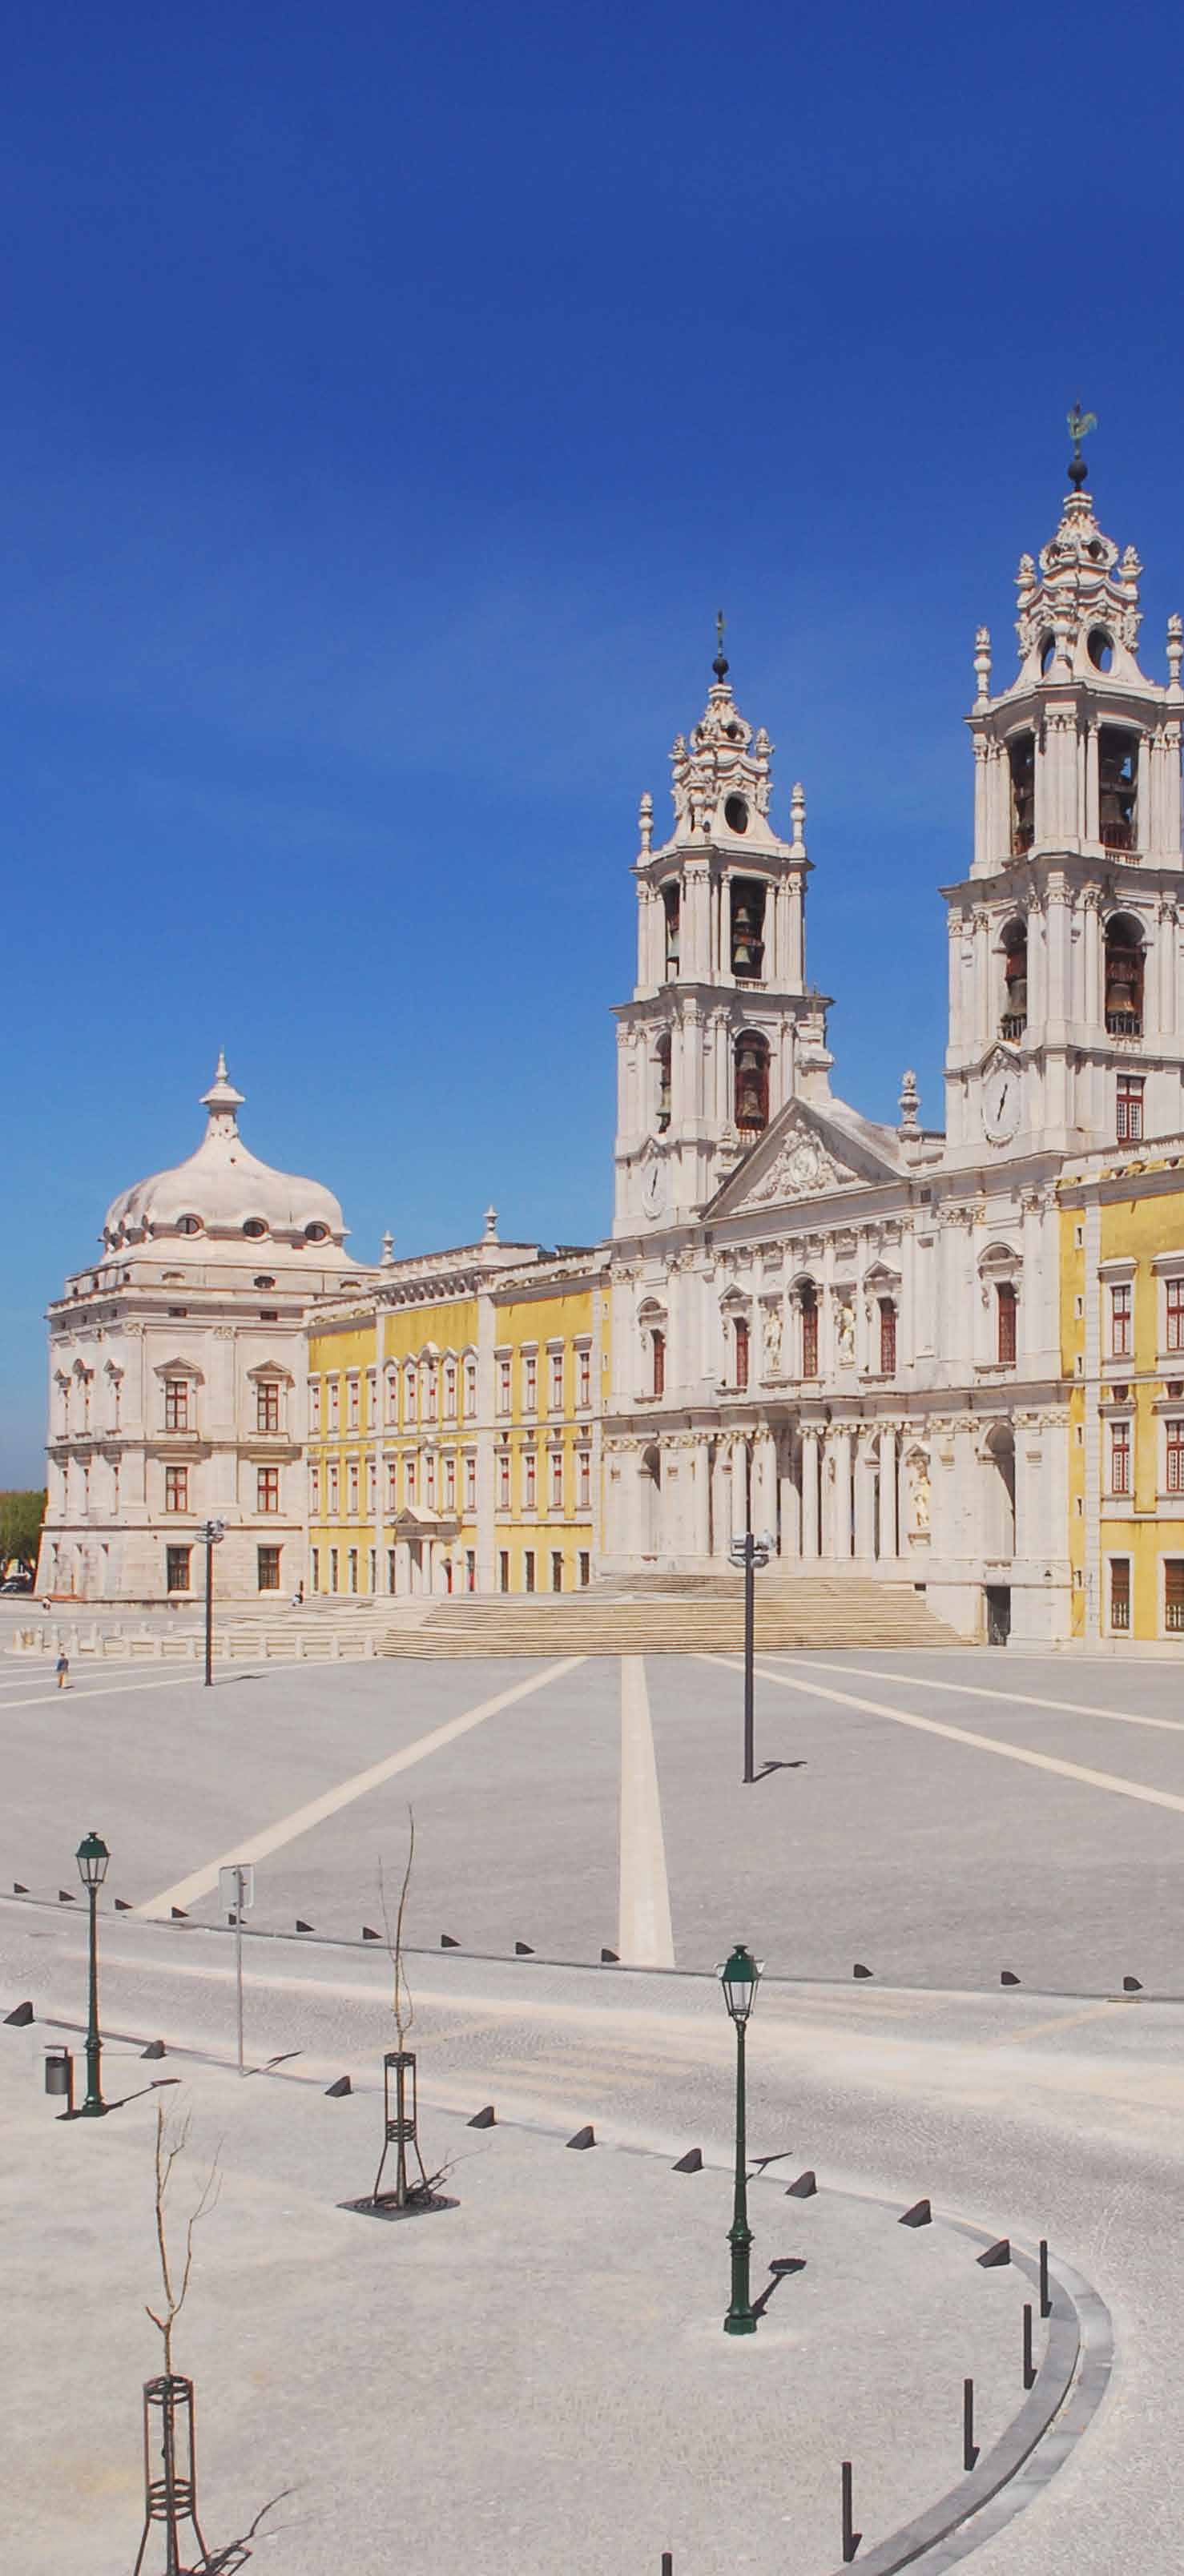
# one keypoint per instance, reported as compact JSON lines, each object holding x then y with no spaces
{"x":178,"y":1379}
{"x":845,"y":1333}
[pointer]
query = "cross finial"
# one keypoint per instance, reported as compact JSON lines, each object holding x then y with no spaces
{"x":1079,"y":424}
{"x":720,"y":664}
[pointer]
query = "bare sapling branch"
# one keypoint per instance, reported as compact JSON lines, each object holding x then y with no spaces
{"x":402,"y":2005}
{"x":167,"y":2151}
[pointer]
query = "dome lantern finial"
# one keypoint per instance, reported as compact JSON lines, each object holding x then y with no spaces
{"x":222,"y":1101}
{"x":720,"y":666}
{"x":1079,"y":424}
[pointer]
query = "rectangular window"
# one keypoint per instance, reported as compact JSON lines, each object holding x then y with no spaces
{"x":352,"y":1472}
{"x":1174,"y":1436}
{"x":371,"y":1398}
{"x":371,"y":1486}
{"x":411,"y":1484}
{"x":585,"y":1569}
{"x":176,"y":1560}
{"x":583,"y":1480}
{"x":334,"y":1404}
{"x":530,"y":1382}
{"x":658,"y":1349}
{"x":1173,"y":1594}
{"x":528,"y":1481}
{"x":557,"y":1480}
{"x":353,"y":1404}
{"x":269,"y":1569}
{"x":1005,"y":1294}
{"x":314,"y":1492}
{"x":314,"y":1404}
{"x":1121,"y":1321}
{"x":353,"y":1569}
{"x":1175,"y":1315}
{"x":334,"y":1569}
{"x":176,"y":1404}
{"x":556,"y":1405}
{"x":1120,"y":1594}
{"x":267,"y":1407}
{"x":583,"y":1379}
{"x":450,"y":1484}
{"x":1120,"y":1457}
{"x":470,"y":1389}
{"x":450,"y":1390}
{"x":809,"y":1334}
{"x":470,"y":1484}
{"x":887,"y":1337}
{"x":741,"y":1332}
{"x":503,"y":1570}
{"x":372,"y":1566}
{"x":556,"y":1569}
{"x":267,"y":1496}
{"x":528,"y":1570}
{"x":432,"y":1389}
{"x":430,"y":1480}
{"x":503,"y":1385}
{"x":176,"y":1489}
{"x":410,"y":1392}
{"x":1130,"y":1108}
{"x":392,"y":1395}
{"x":503,"y":1480}
{"x":334,"y":1489}
{"x":392,"y":1488}
{"x":314,"y":1558}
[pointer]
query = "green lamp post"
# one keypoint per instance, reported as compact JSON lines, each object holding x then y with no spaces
{"x":739,"y":1978}
{"x":92,"y":1857}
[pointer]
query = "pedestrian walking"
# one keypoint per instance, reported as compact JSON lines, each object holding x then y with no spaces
{"x":62,"y":1669}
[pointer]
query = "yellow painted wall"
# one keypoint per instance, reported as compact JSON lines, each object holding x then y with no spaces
{"x":1072,"y":1347}
{"x":564,"y":1314}
{"x":1140,"y":1225}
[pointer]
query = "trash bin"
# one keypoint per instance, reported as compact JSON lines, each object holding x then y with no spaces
{"x":59,"y":2074}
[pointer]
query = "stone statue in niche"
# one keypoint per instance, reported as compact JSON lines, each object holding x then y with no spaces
{"x":772,"y":1340}
{"x":847,"y":1335}
{"x":919,"y":1477}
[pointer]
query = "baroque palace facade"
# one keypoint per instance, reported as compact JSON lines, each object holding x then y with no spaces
{"x":943,"y":1357}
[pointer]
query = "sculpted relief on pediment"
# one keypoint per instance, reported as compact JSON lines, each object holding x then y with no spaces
{"x":801,"y":1170}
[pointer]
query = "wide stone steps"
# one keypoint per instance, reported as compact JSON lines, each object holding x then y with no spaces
{"x":803,"y":1613}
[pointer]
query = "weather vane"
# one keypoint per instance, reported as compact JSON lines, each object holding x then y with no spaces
{"x":719,"y":666}
{"x":1079,"y":425}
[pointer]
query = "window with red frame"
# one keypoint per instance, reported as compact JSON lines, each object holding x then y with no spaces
{"x":809,"y":1333}
{"x":267,"y":1407}
{"x":887,"y":1337}
{"x":1130,"y":1109}
{"x":1175,"y":1306}
{"x":268,"y":1490}
{"x":557,"y":1480}
{"x":1005,"y":1294}
{"x":1121,"y":1321}
{"x":1173,"y":1593}
{"x":176,"y":1404}
{"x":1120,"y":1592}
{"x":1174,"y":1435}
{"x":176,"y":1489}
{"x":1120,"y":1457}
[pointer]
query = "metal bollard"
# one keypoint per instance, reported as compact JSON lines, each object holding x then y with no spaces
{"x":1045,"y":2301}
{"x":1029,"y":2368}
{"x":851,"y":2537}
{"x":969,"y":2445}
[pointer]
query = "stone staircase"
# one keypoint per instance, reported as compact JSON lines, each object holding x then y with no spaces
{"x":704,"y":1615}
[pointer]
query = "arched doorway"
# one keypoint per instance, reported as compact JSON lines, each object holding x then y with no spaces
{"x":998,"y":1459}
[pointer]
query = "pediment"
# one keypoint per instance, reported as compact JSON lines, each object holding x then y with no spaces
{"x":804,"y":1155}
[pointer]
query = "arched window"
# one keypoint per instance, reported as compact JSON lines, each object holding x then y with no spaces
{"x":740,"y":1330}
{"x":1014,"y":1018}
{"x":662,"y":1062}
{"x":748,"y":927}
{"x":887,"y":1337}
{"x":809,"y":1331}
{"x":658,"y":1353}
{"x":751,"y":1083}
{"x":1005,"y":1304}
{"x":1124,"y":977}
{"x":1118,"y":781}
{"x":672,"y":906}
{"x":1021,"y":762}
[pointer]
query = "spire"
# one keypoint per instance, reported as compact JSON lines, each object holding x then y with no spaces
{"x":222,"y":1101}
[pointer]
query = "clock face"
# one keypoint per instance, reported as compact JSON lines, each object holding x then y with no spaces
{"x":1001,"y":1104}
{"x":653,"y":1189}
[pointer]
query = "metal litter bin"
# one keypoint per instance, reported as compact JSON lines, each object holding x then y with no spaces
{"x":59,"y":2074}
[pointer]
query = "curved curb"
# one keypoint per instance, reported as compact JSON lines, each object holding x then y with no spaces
{"x":1070,"y":2385}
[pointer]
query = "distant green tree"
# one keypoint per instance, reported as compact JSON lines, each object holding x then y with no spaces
{"x":21,"y":1516}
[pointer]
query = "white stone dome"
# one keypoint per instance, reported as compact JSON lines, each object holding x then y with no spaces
{"x":223,"y":1195}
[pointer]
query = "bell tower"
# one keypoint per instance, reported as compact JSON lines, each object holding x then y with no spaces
{"x":721,"y":1030}
{"x":1066,"y":1025}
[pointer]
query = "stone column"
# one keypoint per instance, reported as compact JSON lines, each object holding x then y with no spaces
{"x":889,"y":1506}
{"x":721,"y":1500}
{"x":790,"y":1501}
{"x":811,"y":1534}
{"x":864,"y":1498}
{"x":840,"y":1534}
{"x":699,"y":1471}
{"x":764,"y":1483}
{"x":1092,"y":823}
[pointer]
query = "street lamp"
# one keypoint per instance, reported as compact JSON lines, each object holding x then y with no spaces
{"x":751,"y":1555}
{"x":92,"y":1857}
{"x":211,"y":1535}
{"x":739,"y":1977}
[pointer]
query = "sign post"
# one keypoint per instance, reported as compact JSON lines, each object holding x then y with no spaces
{"x":236,"y":1895}
{"x":211,"y":1534}
{"x":750,"y":1555}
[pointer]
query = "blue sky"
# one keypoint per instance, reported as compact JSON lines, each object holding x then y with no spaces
{"x":390,"y":400}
